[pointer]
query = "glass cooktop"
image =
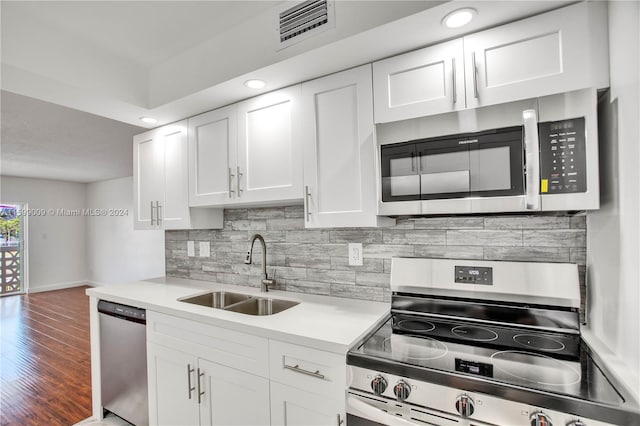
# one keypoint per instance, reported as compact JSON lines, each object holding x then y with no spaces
{"x":544,"y":370}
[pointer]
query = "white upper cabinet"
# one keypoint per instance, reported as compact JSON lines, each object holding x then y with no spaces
{"x":424,"y":82}
{"x":559,"y":51}
{"x":269,"y":152}
{"x":555,"y":52}
{"x":212,"y":157}
{"x":161,"y":182}
{"x":339,"y":151}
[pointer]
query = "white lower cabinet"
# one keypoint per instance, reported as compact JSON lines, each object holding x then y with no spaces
{"x":199,"y":374}
{"x":291,"y":406}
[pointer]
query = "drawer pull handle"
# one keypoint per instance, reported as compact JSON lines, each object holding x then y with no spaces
{"x":189,"y":371}
{"x":297,"y":369}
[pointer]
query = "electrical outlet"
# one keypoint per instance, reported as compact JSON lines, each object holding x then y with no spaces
{"x":355,"y":254}
{"x":205,"y":249}
{"x":191,"y":249}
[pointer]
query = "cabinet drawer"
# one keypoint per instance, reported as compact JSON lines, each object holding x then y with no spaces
{"x":305,"y":368}
{"x":226,"y":347}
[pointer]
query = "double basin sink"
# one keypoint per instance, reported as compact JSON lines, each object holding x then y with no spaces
{"x":241,"y":303}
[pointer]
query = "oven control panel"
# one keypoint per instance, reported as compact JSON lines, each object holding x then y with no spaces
{"x":563,"y":164}
{"x":474,"y":275}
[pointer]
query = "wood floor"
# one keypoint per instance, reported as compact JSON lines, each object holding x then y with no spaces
{"x":45,"y":360}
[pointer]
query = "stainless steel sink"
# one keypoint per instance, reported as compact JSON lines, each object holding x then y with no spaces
{"x":262,"y":306}
{"x":216,"y":299}
{"x":240,"y":303}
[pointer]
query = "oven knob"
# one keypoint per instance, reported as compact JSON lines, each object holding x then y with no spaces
{"x":540,"y":419}
{"x":465,"y":406}
{"x":402,"y":390}
{"x":379,"y":385}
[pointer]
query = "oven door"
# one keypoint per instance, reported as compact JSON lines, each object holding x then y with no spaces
{"x":368,"y":410}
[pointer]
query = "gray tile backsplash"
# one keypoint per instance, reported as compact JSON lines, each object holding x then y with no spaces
{"x":315,"y":260}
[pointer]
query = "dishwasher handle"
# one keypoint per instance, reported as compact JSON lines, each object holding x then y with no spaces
{"x":125,"y":312}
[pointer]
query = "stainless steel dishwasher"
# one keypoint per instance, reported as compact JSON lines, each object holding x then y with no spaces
{"x":123,"y":359}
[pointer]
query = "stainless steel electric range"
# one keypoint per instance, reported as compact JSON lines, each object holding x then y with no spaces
{"x":482,"y":343}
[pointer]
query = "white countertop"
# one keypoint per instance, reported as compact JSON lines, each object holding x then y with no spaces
{"x":332,"y":324}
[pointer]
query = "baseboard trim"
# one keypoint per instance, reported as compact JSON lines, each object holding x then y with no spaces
{"x":58,"y":286}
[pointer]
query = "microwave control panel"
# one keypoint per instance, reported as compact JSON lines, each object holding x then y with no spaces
{"x":563,"y":161}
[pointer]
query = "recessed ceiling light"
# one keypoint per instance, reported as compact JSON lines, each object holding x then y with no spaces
{"x":148,"y":120}
{"x":255,"y":84}
{"x":459,"y":17}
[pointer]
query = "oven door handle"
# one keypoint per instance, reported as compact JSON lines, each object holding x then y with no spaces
{"x":532,"y":158}
{"x":359,"y":408}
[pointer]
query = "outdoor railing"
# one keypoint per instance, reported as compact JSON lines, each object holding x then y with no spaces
{"x":9,"y":269}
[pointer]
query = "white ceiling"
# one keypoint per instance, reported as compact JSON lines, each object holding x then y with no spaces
{"x":174,"y":59}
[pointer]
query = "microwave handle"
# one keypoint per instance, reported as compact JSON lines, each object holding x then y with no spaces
{"x":532,"y":157}
{"x":363,"y":410}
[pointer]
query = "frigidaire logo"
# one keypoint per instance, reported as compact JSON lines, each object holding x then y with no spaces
{"x":467,"y":141}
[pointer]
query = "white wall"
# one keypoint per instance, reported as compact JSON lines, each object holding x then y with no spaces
{"x":117,"y":253}
{"x":56,"y":244}
{"x":613,"y":239}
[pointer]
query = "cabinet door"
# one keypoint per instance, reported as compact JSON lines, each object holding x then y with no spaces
{"x":212,"y":157}
{"x":172,"y":401}
{"x":269,"y":148}
{"x":339,"y":150}
{"x":293,"y":407}
{"x":424,"y":82}
{"x":174,"y":212}
{"x":148,"y":178}
{"x":232,"y":397}
{"x":546,"y":54}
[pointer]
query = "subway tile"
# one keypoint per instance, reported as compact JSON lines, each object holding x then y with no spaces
{"x":372,"y":279}
{"x":307,"y":236}
{"x":579,"y":222}
{"x":368,"y":265}
{"x":235,"y":214}
{"x":527,"y":254}
{"x":266,"y":213}
{"x":527,"y":222}
{"x":356,"y":236}
{"x":285,"y":224}
{"x":484,"y":238}
{"x":330,"y":276}
{"x":555,"y":238}
{"x":357,"y":292}
{"x":296,"y":212}
{"x":202,"y":276}
{"x":176,"y":235}
{"x":246,"y":225}
{"x":289,"y":273}
{"x":305,"y":286}
{"x":217,"y":267}
{"x":231,"y":236}
{"x":449,"y":223}
{"x":237,"y":279}
{"x":430,"y":237}
{"x":202,"y":235}
{"x":308,"y":261}
{"x":383,"y":251}
{"x":387,"y":264}
{"x":449,"y":252}
{"x":227,"y":256}
{"x":578,"y":255}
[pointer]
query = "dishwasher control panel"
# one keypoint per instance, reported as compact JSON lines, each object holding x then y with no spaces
{"x":123,"y":311}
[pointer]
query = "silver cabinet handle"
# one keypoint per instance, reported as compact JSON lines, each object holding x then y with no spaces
{"x":413,"y":162}
{"x":297,"y":369}
{"x":231,"y":175}
{"x":307,"y":195}
{"x":151,"y":202}
{"x":158,"y":215}
{"x":238,"y":180}
{"x":453,"y":69}
{"x":200,"y":392}
{"x":189,"y":371}
{"x":532,"y":159}
{"x":475,"y":74}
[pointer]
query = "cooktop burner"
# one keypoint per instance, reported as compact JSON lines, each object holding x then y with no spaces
{"x":423,"y":350}
{"x":475,"y":333}
{"x":416,"y":326}
{"x":536,"y":368}
{"x":543,"y":343}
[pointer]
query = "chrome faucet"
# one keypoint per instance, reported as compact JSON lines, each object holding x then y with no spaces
{"x":266,"y":282}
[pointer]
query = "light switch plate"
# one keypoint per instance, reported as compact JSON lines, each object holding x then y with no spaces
{"x":355,"y":254}
{"x":191,"y":249}
{"x":205,"y":249}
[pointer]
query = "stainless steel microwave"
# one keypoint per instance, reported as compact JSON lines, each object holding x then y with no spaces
{"x":546,"y":161}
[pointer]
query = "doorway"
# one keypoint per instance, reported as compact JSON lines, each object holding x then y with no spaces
{"x":12,"y":249}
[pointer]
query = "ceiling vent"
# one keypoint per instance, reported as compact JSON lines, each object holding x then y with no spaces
{"x":303,"y":20}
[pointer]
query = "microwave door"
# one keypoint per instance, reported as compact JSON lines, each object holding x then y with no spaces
{"x":444,"y":171}
{"x":399,"y":169}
